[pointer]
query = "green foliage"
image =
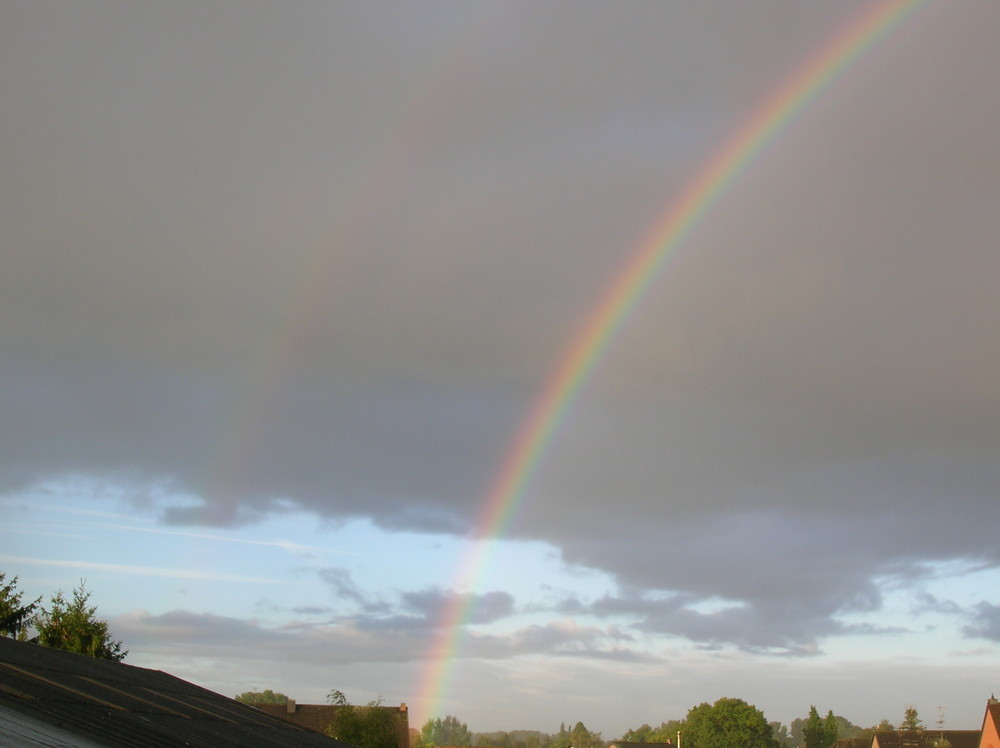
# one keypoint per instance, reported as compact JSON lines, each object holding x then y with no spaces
{"x":725,"y":724}
{"x":449,"y":731}
{"x":267,"y":696}
{"x":911,"y":721}
{"x":638,"y":735}
{"x":369,"y":726}
{"x":823,"y":732}
{"x":581,"y":737}
{"x":336,"y":698}
{"x":14,"y":617}
{"x":830,"y":729}
{"x":512,"y":739}
{"x":781,"y":736}
{"x":812,"y":732}
{"x":74,"y":627}
{"x":847,"y":729}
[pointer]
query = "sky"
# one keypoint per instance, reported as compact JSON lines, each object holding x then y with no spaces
{"x":283,"y":285}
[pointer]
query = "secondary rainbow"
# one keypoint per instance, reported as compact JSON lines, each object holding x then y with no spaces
{"x":644,"y":265}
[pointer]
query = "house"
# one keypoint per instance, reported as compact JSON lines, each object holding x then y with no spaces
{"x":319,"y":717}
{"x":989,"y":735}
{"x":49,"y":697}
{"x":925,"y":738}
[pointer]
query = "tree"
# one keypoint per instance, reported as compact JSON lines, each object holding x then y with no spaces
{"x":640,"y":734}
{"x":581,"y":737}
{"x":911,"y":722}
{"x":830,"y":732}
{"x":74,"y":627}
{"x":369,"y":726}
{"x":727,"y":723}
{"x":812,"y":731}
{"x":14,"y":617}
{"x":448,"y":731}
{"x":911,"y":729}
{"x":267,"y":696}
{"x":819,"y":733}
{"x":780,"y":734}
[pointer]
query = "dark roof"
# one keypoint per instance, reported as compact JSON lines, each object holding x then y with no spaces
{"x":852,"y":743}
{"x":926,"y":738}
{"x":114,"y":705}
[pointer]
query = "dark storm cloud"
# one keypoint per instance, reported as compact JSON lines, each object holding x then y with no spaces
{"x":327,"y":259}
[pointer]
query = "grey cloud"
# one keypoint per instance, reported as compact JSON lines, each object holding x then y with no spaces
{"x":318,"y":260}
{"x":985,"y":622}
{"x":341,"y":584}
{"x":556,"y":638}
{"x":312,"y":610}
{"x":358,"y":640}
{"x":486,"y":607}
{"x":140,"y":628}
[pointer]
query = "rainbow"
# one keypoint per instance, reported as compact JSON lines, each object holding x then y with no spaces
{"x":593,"y":339}
{"x":240,"y":438}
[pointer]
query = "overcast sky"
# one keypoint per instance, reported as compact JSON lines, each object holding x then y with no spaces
{"x":282,"y":281}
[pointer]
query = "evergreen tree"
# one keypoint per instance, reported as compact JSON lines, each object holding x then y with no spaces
{"x":813,"y":733}
{"x":911,"y":722}
{"x":829,"y":729}
{"x":911,"y":729}
{"x":14,"y":617}
{"x":74,"y":627}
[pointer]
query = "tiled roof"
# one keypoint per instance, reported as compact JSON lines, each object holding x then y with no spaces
{"x":926,"y":738}
{"x":992,"y":712}
{"x":115,"y":705}
{"x":852,"y":743}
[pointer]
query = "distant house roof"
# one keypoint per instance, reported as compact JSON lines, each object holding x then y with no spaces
{"x":991,"y":725}
{"x":925,"y":738}
{"x":51,"y":697}
{"x":852,"y":743}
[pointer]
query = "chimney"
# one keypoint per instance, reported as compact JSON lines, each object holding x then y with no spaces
{"x":290,"y":707}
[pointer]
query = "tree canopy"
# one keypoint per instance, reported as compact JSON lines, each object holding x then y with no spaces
{"x":911,"y":721}
{"x":447,"y":731}
{"x":819,"y":733}
{"x":267,"y":696}
{"x":665,"y":733}
{"x":369,"y":726}
{"x":726,"y":723}
{"x":73,"y":626}
{"x":14,"y":616}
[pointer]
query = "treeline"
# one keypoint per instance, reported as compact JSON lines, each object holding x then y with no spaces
{"x":727,"y":722}
{"x":451,"y":732}
{"x":72,"y":625}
